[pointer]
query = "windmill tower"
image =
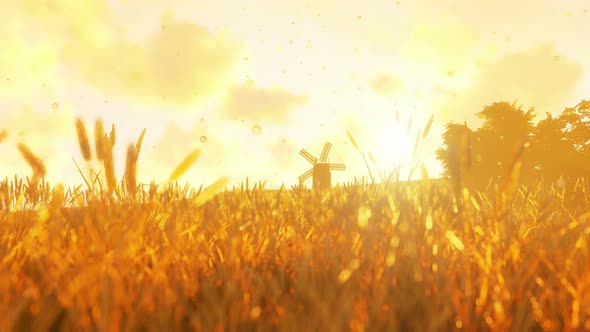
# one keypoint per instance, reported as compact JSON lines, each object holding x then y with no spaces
{"x":321,"y":169}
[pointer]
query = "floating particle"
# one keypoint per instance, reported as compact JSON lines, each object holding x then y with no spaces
{"x":203,"y":139}
{"x":556,"y":58}
{"x":359,"y":17}
{"x":202,"y":120}
{"x":291,"y":41}
{"x":256,"y":129}
{"x":55,"y":105}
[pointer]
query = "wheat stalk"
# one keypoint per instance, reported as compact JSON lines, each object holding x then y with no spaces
{"x":109,"y":166}
{"x":98,"y":136}
{"x":211,"y":191}
{"x":353,"y":141}
{"x":113,"y":136}
{"x":185,"y":165}
{"x":83,"y":140}
{"x":34,"y":162}
{"x":139,"y":142}
{"x":131,"y":169}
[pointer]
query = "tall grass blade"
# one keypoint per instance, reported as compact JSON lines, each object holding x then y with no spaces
{"x":190,"y":159}
{"x":428,"y":126}
{"x":139,"y":142}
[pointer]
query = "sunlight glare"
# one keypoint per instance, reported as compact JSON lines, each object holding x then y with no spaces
{"x":397,"y":145}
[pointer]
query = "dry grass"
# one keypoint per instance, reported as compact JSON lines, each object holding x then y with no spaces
{"x":394,"y":257}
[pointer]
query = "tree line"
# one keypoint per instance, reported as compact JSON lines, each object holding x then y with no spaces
{"x":556,"y":148}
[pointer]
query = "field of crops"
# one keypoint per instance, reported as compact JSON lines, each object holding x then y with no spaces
{"x":424,"y":256}
{"x":389,"y":257}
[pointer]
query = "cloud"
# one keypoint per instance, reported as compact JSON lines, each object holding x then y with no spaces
{"x":49,"y":134}
{"x":284,"y":153}
{"x":175,"y":143}
{"x":69,"y":41}
{"x":386,"y":84}
{"x":25,"y":65}
{"x":539,"y":76}
{"x":444,"y":42}
{"x":248,"y":102}
{"x":498,"y":12}
{"x":234,"y":152}
{"x":536,"y":77}
{"x":229,"y":150}
{"x":180,"y":64}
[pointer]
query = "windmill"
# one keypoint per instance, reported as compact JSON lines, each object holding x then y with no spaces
{"x":320,"y":171}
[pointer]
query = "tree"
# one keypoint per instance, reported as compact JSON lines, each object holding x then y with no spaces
{"x":576,"y":122}
{"x":550,"y":151}
{"x":456,"y":156}
{"x":504,"y":128}
{"x":561,"y":146}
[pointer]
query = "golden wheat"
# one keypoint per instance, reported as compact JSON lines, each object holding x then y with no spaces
{"x":188,"y":161}
{"x":140,"y":142}
{"x":428,"y":126}
{"x":98,"y":139}
{"x":113,"y":136}
{"x":109,"y":166}
{"x":131,"y":169}
{"x":34,"y":162}
{"x":389,"y":257}
{"x":83,"y":141}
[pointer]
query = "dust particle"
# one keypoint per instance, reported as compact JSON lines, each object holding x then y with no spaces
{"x":256,"y":130}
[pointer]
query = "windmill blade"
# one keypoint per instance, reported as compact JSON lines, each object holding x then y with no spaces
{"x":305,"y":175}
{"x":325,"y":152}
{"x":313,"y":160}
{"x":337,"y":167}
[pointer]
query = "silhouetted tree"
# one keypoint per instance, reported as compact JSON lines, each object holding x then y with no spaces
{"x":576,"y":121}
{"x":505,"y":127}
{"x":456,"y":154}
{"x":561,"y":146}
{"x":550,"y":151}
{"x":558,"y":146}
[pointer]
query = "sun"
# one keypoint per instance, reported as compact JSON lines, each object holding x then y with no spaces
{"x":397,"y":146}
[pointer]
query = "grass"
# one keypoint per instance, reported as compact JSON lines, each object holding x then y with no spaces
{"x":392,"y":256}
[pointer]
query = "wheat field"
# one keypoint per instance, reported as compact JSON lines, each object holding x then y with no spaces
{"x":116,"y":255}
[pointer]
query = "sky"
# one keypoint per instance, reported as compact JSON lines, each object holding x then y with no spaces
{"x":251,"y":83}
